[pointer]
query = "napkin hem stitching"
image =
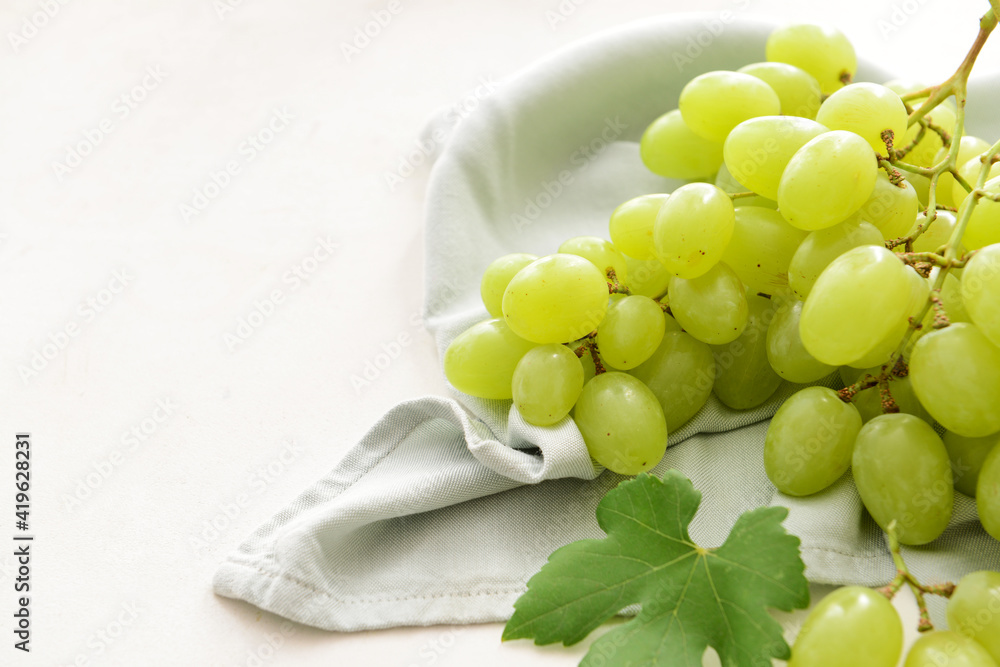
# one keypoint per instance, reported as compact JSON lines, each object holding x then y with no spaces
{"x":495,"y":592}
{"x":294,"y":581}
{"x":867,"y":554}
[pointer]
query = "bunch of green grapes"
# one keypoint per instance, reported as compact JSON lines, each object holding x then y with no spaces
{"x":859,"y":627}
{"x":809,"y":246}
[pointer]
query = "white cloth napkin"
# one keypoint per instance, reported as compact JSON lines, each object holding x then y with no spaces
{"x":447,"y":506}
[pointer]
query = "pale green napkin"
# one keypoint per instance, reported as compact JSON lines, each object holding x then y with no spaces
{"x":446,"y":508}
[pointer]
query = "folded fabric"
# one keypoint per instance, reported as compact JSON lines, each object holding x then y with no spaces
{"x":447,"y":506}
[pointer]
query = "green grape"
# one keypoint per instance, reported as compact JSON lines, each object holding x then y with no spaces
{"x":827,"y":180}
{"x":546,"y":383}
{"x":621,"y":423}
{"x":956,"y":374}
{"x":589,"y":369}
{"x":980,"y":291}
{"x":904,"y":86}
{"x":757,"y":150}
{"x":798,"y":91}
{"x":761,"y":248}
{"x":647,"y":277}
{"x":983,"y":228}
{"x":943,"y":115}
{"x":630,"y":332}
{"x":670,"y":149}
{"x":869,"y":401}
{"x":851,"y":627}
{"x":988,"y":493}
{"x":903,"y":474}
{"x":946,"y":648}
{"x":744,"y":379}
{"x":730,"y":185}
{"x":556,"y":299}
{"x":631,"y":226}
{"x":693,"y":228}
{"x":714,"y":103}
{"x":921,"y":184}
{"x":867,"y":109}
{"x":967,"y":456}
{"x":890,"y":208}
{"x":496,"y":278}
{"x":810,"y":440}
{"x":974,"y":609}
{"x":713,"y":307}
{"x":969,"y":147}
{"x":850,"y":375}
{"x":680,"y":374}
{"x":822,"y":52}
{"x":883,"y":349}
{"x":823,"y":246}
{"x":785,"y":351}
{"x":969,"y":170}
{"x":481,"y":360}
{"x":857,"y":302}
{"x":920,"y":290}
{"x":601,"y":254}
{"x":935,"y":235}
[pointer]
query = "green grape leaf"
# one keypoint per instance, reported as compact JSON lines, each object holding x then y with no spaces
{"x":690,"y":597}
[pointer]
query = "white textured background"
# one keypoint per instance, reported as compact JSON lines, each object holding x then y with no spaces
{"x":125,"y":540}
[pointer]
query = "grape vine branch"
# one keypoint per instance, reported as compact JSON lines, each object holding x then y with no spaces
{"x":935,"y":264}
{"x":904,"y":576}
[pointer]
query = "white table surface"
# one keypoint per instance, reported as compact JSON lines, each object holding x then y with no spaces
{"x":123,"y":555}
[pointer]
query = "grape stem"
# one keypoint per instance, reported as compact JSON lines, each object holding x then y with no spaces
{"x":903,"y":152}
{"x":741,"y":195}
{"x":889,"y":405}
{"x":895,"y":177}
{"x":850,"y":391}
{"x":589,"y":344}
{"x":937,"y":94}
{"x":899,"y":370}
{"x":950,"y":250}
{"x":956,"y":85}
{"x":904,"y":576}
{"x":930,"y":258}
{"x":925,"y":125}
{"x":615,"y":287}
{"x":940,"y":317}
